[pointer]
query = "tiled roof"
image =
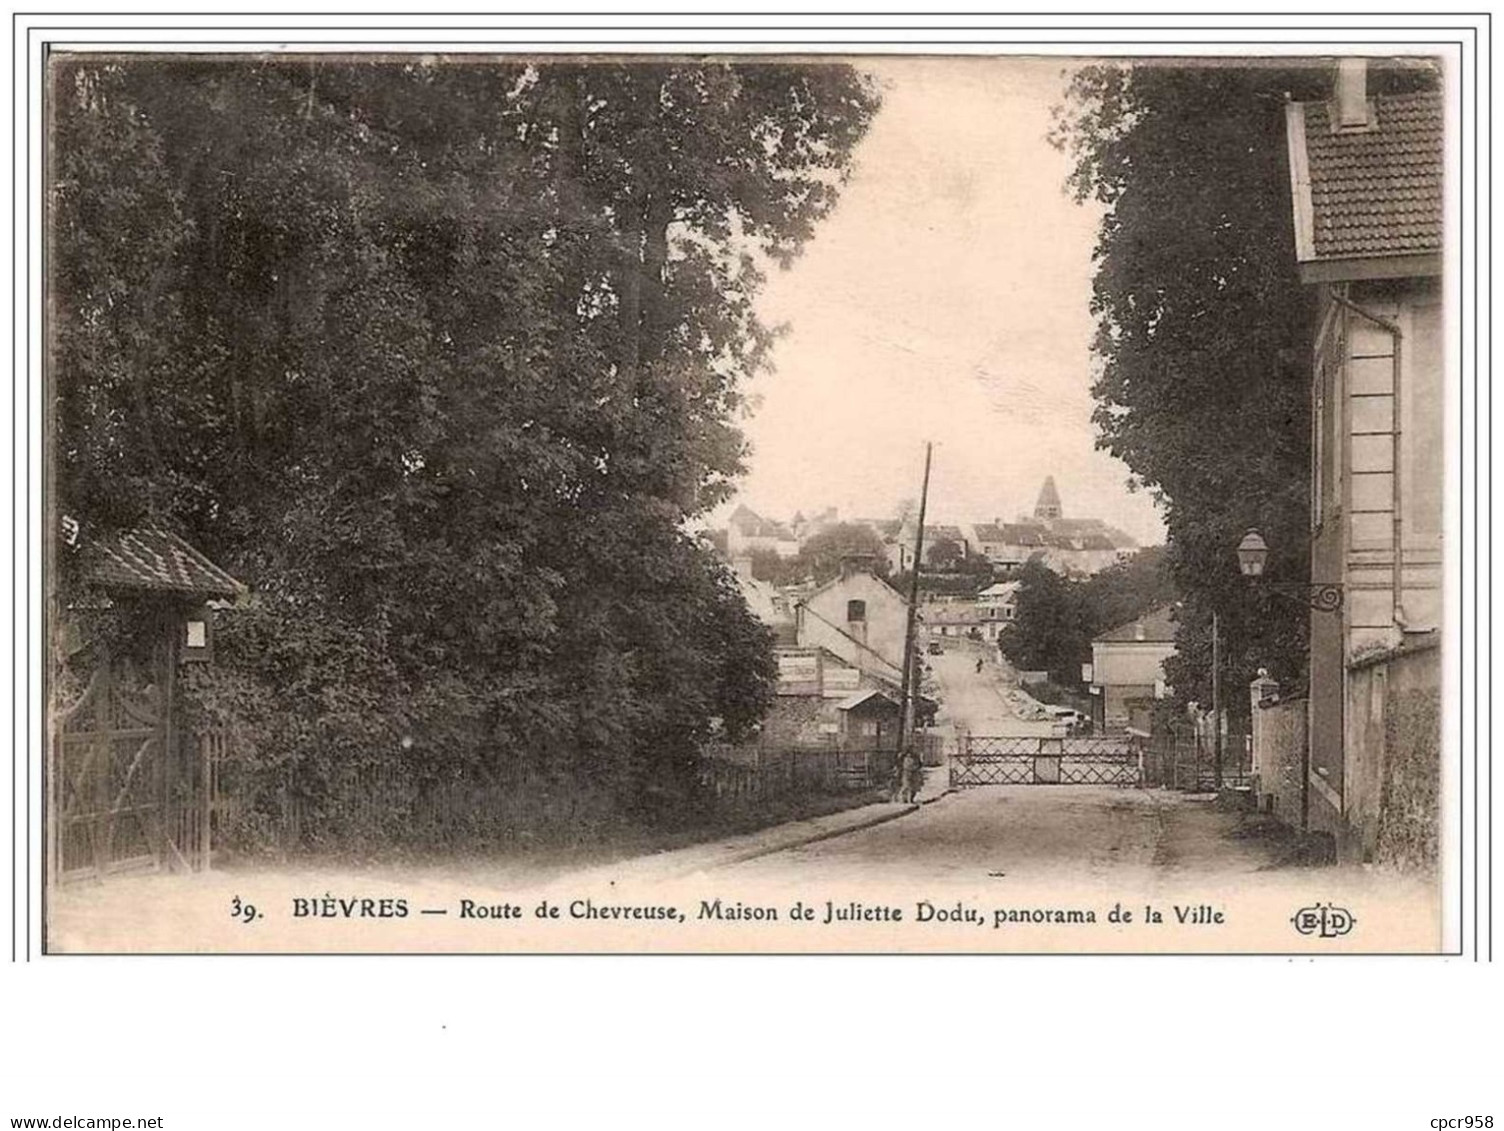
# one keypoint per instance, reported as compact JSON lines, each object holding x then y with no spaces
{"x":750,"y":524}
{"x":1372,"y":191}
{"x":1022,"y":534}
{"x":862,"y":699}
{"x":935,"y":533}
{"x":160,"y":561}
{"x":1154,"y":627}
{"x":1001,"y":589}
{"x":1010,"y":533}
{"x":1078,"y":525}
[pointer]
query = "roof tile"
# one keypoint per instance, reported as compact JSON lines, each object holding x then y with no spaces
{"x":154,"y":559}
{"x":1377,"y":191}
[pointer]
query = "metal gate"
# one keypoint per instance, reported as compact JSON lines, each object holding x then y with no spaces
{"x":1014,"y":760}
{"x":120,"y":796}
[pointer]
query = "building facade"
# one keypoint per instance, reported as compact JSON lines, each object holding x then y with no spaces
{"x":859,"y":618}
{"x":748,"y":532}
{"x":1366,"y":187}
{"x":1128,"y":667}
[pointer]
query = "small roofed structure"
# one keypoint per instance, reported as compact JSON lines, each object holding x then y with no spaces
{"x":870,"y":719}
{"x":156,"y":560}
{"x":130,"y":786}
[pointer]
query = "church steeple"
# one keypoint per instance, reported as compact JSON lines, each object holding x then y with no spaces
{"x":1048,"y":506}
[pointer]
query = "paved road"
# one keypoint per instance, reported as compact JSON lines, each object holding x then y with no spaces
{"x":1035,"y":834}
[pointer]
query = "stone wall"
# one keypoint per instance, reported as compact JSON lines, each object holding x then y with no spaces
{"x":1394,"y":760}
{"x":1279,"y":746}
{"x":1410,"y":807}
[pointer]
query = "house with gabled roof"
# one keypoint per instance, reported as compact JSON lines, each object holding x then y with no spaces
{"x":1128,"y":666}
{"x":858,"y":617}
{"x":747,"y":532}
{"x":1006,"y":545}
{"x":1367,"y":196}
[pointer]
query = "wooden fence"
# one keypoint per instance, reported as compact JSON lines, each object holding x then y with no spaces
{"x":1186,"y":759}
{"x":741,"y":774}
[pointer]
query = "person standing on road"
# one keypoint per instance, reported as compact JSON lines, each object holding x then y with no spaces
{"x":913,"y":776}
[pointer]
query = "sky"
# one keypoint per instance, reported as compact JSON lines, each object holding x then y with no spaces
{"x":945,"y":298}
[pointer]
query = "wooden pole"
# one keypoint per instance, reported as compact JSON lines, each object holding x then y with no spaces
{"x":909,"y":680}
{"x":1216,"y":701}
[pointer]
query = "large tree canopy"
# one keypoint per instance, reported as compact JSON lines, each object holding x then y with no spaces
{"x":1057,"y":617}
{"x":1204,"y":329}
{"x":439,"y":356}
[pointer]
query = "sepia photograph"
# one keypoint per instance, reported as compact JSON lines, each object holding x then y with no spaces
{"x":766,"y":503}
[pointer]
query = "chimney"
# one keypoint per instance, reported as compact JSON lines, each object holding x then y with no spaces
{"x":1352,"y":93}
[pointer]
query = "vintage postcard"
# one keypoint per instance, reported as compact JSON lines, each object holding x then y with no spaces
{"x":750,"y":503}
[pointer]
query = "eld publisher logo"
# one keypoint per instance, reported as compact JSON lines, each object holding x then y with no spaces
{"x":1324,"y":920}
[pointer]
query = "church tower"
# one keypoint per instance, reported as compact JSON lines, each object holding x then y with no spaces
{"x":1047,"y":508}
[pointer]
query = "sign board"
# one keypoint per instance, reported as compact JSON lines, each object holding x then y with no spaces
{"x":1085,"y":673}
{"x":798,"y":669}
{"x":842,"y":679}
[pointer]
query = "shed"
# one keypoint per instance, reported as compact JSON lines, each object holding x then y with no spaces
{"x":869,"y":720}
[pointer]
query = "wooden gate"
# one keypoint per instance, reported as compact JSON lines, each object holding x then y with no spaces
{"x":119,"y":793}
{"x":1016,"y":760}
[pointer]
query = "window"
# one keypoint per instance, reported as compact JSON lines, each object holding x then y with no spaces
{"x":856,"y":611}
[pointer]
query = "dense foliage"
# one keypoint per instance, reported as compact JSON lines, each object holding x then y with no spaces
{"x":1204,"y":330}
{"x":1057,"y":616}
{"x":820,"y":556}
{"x":440,"y":357}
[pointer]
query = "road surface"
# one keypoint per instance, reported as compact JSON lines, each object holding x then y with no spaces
{"x":985,"y":702}
{"x":1037,"y":834}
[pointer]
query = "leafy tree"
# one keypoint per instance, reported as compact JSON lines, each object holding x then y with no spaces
{"x":945,"y":553}
{"x":819,"y":558}
{"x":1050,"y":630}
{"x":1204,"y":329}
{"x":442,"y":358}
{"x":1128,"y":589}
{"x":1058,"y":617}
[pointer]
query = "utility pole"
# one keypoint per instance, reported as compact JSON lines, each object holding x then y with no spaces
{"x":1216,"y":701}
{"x":909,"y":681}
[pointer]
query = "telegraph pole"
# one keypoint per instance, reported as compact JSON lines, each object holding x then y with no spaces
{"x":910,"y":680}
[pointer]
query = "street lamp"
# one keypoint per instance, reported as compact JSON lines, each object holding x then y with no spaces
{"x":1253,"y":552}
{"x":1253,"y":555}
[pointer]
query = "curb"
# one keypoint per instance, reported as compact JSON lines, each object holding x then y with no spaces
{"x":799,"y":842}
